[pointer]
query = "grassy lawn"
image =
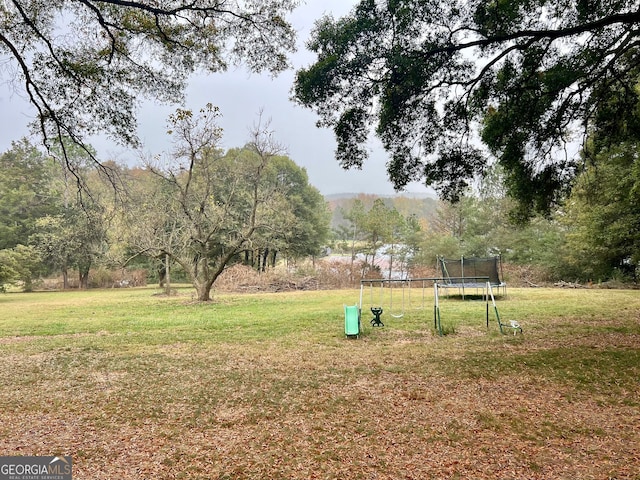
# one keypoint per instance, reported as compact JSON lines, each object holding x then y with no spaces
{"x":138,"y":386}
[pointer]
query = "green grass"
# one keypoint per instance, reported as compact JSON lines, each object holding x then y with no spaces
{"x":136,"y":385}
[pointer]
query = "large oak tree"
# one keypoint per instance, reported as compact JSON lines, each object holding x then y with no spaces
{"x":431,"y":78}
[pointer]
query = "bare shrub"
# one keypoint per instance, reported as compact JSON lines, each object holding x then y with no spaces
{"x":421,"y":271}
{"x":240,"y":277}
{"x":129,"y":278}
{"x":100,"y":278}
{"x":337,"y":274}
{"x":526,"y":275}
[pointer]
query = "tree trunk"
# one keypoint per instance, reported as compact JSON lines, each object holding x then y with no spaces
{"x":65,"y":278}
{"x":204,"y":292}
{"x":202,"y":278}
{"x":167,"y":276}
{"x":84,"y":279}
{"x":162,"y":273}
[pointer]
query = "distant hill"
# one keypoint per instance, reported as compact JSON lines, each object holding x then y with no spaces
{"x":346,"y":195}
{"x":423,"y":206}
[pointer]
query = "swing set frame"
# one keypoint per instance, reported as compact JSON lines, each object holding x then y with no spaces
{"x":482,"y":282}
{"x":407,"y":283}
{"x":392,"y":285}
{"x":381,"y":295}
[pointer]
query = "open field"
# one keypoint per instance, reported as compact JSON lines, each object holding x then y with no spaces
{"x":138,"y":386}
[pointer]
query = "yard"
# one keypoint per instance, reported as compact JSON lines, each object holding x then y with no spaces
{"x":135,"y":385}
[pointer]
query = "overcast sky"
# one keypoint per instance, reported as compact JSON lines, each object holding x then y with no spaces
{"x":240,"y":96}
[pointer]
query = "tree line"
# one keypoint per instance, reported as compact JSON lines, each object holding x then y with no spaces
{"x":199,"y":208}
{"x":593,"y":235}
{"x":202,"y":209}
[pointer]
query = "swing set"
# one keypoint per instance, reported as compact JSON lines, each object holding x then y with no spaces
{"x":395,"y":295}
{"x":382,"y":292}
{"x":391,"y":294}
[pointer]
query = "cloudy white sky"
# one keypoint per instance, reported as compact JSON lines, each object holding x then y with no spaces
{"x":240,"y":96}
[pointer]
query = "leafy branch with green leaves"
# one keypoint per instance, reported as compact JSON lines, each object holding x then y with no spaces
{"x":447,"y":86}
{"x":85,"y":65}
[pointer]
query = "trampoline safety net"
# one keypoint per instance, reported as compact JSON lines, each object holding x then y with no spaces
{"x":459,"y":270}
